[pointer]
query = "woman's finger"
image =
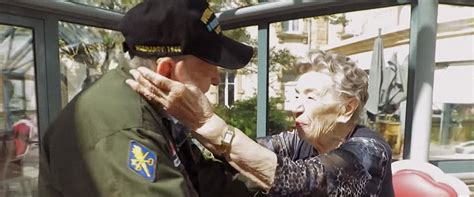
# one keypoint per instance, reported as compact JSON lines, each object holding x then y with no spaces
{"x":156,"y":79}
{"x":134,"y":73}
{"x":151,"y":87}
{"x":132,"y":83}
{"x":137,"y":85}
{"x":156,"y":97}
{"x":146,"y":83}
{"x":141,"y":90}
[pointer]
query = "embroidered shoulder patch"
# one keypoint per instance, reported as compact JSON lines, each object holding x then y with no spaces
{"x":142,"y":161}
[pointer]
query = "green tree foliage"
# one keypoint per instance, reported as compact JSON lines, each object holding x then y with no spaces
{"x":335,"y":19}
{"x":84,"y":44}
{"x":243,"y":115}
{"x":281,"y":60}
{"x":221,"y":5}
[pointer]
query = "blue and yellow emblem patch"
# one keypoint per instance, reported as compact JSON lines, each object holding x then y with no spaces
{"x":142,"y":161}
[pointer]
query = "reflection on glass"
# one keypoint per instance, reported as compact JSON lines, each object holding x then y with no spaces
{"x":117,"y":6}
{"x":352,"y":34}
{"x":390,"y":130}
{"x":125,"y":5}
{"x":19,"y":153}
{"x":452,"y":134}
{"x":223,"y":5}
{"x":86,"y":53}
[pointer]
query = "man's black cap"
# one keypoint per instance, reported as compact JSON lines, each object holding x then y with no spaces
{"x":158,"y":28}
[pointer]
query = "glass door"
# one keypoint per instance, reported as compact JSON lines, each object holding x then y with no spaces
{"x":19,"y":131}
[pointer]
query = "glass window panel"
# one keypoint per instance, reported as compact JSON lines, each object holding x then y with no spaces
{"x":352,"y":34}
{"x":86,"y":53}
{"x":19,"y":153}
{"x":231,"y":77}
{"x":222,"y":76}
{"x":235,"y":97}
{"x":117,"y":6}
{"x":230,"y":93}
{"x":292,"y":26}
{"x":226,"y":87}
{"x":223,"y":5}
{"x":221,"y":93}
{"x":452,"y":134}
{"x":125,"y":5}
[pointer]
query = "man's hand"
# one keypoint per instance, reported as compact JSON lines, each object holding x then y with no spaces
{"x":183,"y":101}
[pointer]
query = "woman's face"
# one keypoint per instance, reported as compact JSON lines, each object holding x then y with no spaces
{"x":317,"y":106}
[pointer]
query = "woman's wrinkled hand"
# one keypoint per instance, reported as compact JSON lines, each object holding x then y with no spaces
{"x":183,"y":101}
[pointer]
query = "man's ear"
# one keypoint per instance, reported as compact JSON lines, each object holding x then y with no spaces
{"x":165,"y":66}
{"x":348,"y":110}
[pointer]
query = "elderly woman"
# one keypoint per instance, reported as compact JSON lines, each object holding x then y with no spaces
{"x":328,"y":154}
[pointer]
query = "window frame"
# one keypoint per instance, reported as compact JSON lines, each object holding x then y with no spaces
{"x":45,"y":16}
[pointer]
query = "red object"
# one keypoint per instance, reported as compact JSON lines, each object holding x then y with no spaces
{"x":409,"y":183}
{"x":21,"y":136}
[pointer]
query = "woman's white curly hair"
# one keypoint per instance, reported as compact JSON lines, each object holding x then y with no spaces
{"x":348,"y":79}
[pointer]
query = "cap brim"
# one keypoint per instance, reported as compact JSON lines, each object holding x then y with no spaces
{"x":233,"y":54}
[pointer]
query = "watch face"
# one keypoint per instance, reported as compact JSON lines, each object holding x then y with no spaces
{"x":227,"y":137}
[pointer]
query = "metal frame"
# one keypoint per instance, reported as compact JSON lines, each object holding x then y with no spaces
{"x":420,"y":79}
{"x":288,"y":10}
{"x":53,"y":68}
{"x":457,"y":2}
{"x":43,"y":17}
{"x":262,"y":91}
{"x":64,"y":11}
{"x":37,"y":27}
{"x":46,"y":15}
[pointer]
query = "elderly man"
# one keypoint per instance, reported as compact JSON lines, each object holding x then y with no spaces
{"x":109,"y":141}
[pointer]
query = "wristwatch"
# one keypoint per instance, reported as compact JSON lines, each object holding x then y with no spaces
{"x":227,"y":138}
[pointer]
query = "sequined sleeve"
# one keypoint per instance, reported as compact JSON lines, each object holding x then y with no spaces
{"x":356,"y":168}
{"x":282,"y":144}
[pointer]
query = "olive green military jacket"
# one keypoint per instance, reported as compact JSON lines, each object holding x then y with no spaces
{"x":108,"y":141}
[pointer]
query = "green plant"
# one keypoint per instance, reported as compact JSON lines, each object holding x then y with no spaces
{"x":243,"y":115}
{"x":338,"y":19}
